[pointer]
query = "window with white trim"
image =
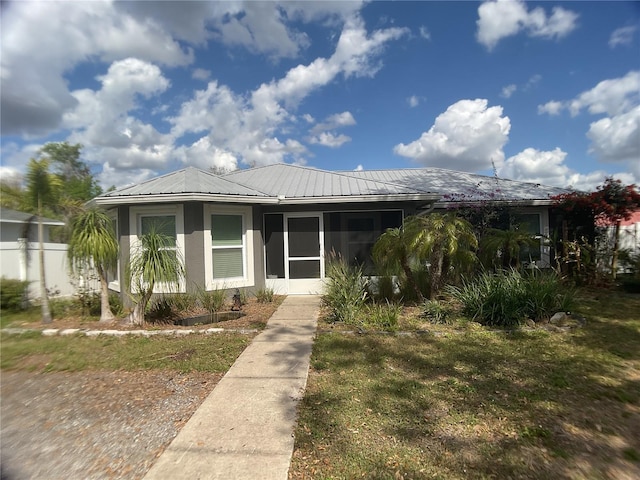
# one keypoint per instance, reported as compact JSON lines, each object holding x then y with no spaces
{"x":227,"y":246}
{"x":168,"y":220}
{"x":113,"y":277}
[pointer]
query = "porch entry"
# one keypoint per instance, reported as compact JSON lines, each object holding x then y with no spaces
{"x":294,"y":245}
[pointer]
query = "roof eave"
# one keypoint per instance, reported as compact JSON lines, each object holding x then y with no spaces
{"x":183,"y":197}
{"x":359,"y":199}
{"x":511,"y":203}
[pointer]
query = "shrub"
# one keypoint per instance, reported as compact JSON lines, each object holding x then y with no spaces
{"x":115,"y":302}
{"x":13,"y":294}
{"x":382,"y":316}
{"x":346,"y":292}
{"x":507,"y":298}
{"x":212,"y":301}
{"x":265,"y":295}
{"x":436,"y":312}
{"x":183,"y":302}
{"x":161,"y":309}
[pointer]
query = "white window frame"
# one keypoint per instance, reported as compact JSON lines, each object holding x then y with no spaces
{"x":115,"y":284}
{"x":135,"y":228}
{"x":247,"y":280}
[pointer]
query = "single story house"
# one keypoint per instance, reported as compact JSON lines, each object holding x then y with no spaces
{"x":274,"y":226}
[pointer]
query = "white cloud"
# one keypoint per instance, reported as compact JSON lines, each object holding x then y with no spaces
{"x":469,"y":136}
{"x":328,"y":139}
{"x":204,"y":155}
{"x":549,"y":168}
{"x":118,"y":177}
{"x":613,"y":96}
{"x":247,"y":125}
{"x":103,"y":123}
{"x":622,"y":36}
{"x":34,"y":93}
{"x":337,"y":120}
{"x":201,"y":74}
{"x":414,"y":101}
{"x":552,"y":108}
{"x":508,"y":91}
{"x":424,"y":32}
{"x":617,"y":139}
{"x":531,"y":165}
{"x":504,"y":18}
{"x":359,"y":168}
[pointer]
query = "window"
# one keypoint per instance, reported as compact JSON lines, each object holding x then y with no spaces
{"x":163,"y":224}
{"x":227,"y":244}
{"x":166,"y":219}
{"x":113,"y":277}
{"x":529,"y":223}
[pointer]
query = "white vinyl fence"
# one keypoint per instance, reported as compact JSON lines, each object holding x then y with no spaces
{"x":21,"y":261}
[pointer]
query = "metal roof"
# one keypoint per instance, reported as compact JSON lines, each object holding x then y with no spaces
{"x":293,"y":184}
{"x":13,"y":216}
{"x":187,"y":180}
{"x":461,"y":186}
{"x":292,"y":181}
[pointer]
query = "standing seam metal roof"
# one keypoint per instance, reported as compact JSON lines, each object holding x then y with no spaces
{"x":294,"y":181}
{"x":187,"y":180}
{"x":461,"y":186}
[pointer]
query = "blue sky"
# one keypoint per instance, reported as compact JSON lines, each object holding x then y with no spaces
{"x":547,"y":92}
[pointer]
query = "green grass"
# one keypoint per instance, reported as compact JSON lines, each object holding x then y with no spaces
{"x":475,"y":403}
{"x":35,"y":352}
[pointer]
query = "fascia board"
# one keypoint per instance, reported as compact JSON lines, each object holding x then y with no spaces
{"x":187,"y":197}
{"x":359,"y":199}
{"x":508,"y":203}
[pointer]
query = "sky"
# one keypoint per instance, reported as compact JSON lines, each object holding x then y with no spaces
{"x":545,"y":92}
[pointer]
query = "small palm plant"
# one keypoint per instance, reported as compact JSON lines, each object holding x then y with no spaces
{"x":93,"y":242}
{"x":155,"y":261}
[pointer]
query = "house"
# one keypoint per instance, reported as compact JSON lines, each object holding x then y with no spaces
{"x":274,"y":226}
{"x":19,"y":247}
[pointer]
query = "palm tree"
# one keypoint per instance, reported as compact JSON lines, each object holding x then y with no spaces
{"x":93,"y":241}
{"x":155,"y":260}
{"x":444,"y":240}
{"x":506,"y":244}
{"x":393,"y":250}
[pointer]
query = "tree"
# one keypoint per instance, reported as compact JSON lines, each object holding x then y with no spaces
{"x":59,"y":178}
{"x":393,"y":250}
{"x":93,"y":242}
{"x":611,"y":203}
{"x":154,"y":261}
{"x":446,"y":241}
{"x":506,"y":245}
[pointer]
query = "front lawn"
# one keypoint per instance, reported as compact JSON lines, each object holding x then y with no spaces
{"x":476,"y":402}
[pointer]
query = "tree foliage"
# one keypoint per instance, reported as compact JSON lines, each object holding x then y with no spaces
{"x":609,"y":205}
{"x":154,"y":261}
{"x":58,"y":177}
{"x":93,"y":243}
{"x":445,"y":241}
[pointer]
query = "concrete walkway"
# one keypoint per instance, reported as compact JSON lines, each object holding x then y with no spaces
{"x":244,"y":428}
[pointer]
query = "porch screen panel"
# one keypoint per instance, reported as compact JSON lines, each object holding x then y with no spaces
{"x":227,"y":241}
{"x":304,"y":240}
{"x":274,"y":245}
{"x":304,"y":269}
